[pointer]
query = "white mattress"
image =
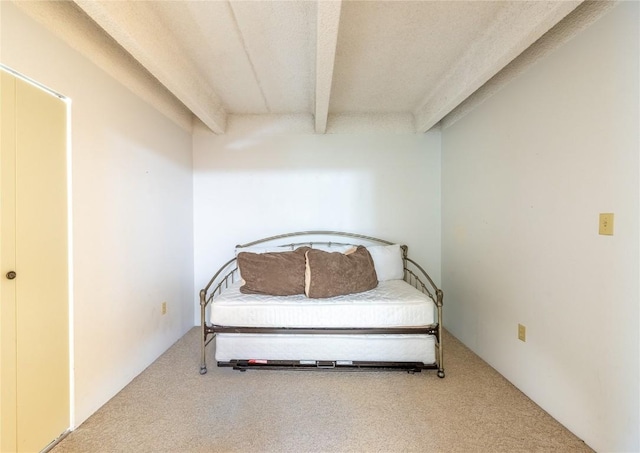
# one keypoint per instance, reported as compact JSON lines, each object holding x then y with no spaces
{"x":378,"y":348}
{"x":394,"y":303}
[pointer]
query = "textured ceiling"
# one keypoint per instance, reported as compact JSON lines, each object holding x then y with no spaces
{"x":420,"y":59}
{"x":391,"y":55}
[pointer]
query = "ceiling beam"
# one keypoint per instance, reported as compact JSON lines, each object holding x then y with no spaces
{"x":71,"y":25}
{"x":575,"y":22}
{"x":151,"y":43}
{"x":327,"y":39}
{"x":518,"y":26}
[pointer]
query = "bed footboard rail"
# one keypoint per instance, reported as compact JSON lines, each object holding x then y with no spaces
{"x":415,"y":278}
{"x":223,"y":281}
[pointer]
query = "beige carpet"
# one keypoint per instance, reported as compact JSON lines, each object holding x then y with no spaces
{"x":171,"y":408}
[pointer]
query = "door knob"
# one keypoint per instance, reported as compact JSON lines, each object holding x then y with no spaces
{"x":11,"y":275}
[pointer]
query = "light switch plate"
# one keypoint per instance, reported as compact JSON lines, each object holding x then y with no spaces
{"x":522,"y":332}
{"x":606,"y":224}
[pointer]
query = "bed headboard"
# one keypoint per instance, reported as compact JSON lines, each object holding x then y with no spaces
{"x":318,"y":237}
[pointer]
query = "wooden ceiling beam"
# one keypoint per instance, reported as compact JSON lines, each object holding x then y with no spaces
{"x":513,"y":31}
{"x":151,"y":43}
{"x":327,"y":39}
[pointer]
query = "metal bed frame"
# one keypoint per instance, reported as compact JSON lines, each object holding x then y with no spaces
{"x":414,"y":274}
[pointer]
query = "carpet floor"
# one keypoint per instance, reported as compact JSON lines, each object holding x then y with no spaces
{"x":170,"y":407}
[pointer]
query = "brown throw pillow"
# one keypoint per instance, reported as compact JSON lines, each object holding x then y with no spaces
{"x":274,"y":274}
{"x":336,"y":274}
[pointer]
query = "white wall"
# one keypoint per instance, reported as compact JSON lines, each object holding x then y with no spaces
{"x":132,"y":215}
{"x":272,"y":175}
{"x":524,"y":177}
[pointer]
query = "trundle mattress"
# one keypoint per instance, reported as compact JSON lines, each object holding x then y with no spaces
{"x":394,"y":303}
{"x":378,"y":348}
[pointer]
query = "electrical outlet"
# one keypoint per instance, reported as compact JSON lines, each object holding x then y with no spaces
{"x":163,"y":309}
{"x":606,"y":224}
{"x":522,"y":332}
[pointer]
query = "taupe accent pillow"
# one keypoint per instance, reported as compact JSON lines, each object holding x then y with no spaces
{"x":274,"y":274}
{"x":336,"y":274}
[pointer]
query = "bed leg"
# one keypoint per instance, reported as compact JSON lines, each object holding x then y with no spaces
{"x":203,"y":334}
{"x":439,"y":303}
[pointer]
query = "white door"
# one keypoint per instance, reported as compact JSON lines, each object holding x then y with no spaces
{"x":34,"y":275}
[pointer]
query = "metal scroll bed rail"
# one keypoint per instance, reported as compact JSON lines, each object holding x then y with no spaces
{"x":414,"y":274}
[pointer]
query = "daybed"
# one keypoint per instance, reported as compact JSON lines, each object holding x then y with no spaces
{"x":395,"y":325}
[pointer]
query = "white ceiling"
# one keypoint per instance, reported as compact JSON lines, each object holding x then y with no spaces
{"x":324,"y":58}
